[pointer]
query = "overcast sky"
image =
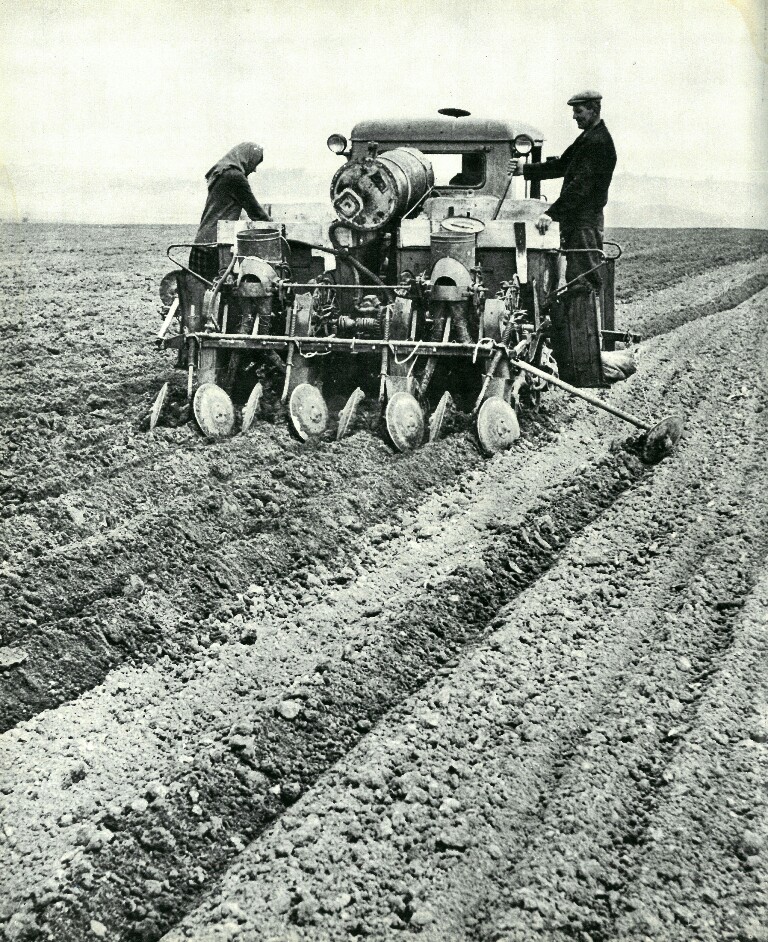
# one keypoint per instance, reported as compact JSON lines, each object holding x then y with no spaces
{"x":113,"y":111}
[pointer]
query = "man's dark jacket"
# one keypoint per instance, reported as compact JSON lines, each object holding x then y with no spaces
{"x":587,"y":168}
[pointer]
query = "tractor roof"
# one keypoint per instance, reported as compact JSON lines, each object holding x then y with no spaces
{"x":442,"y":128}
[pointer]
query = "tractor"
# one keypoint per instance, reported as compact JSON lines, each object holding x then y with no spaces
{"x":431,"y":290}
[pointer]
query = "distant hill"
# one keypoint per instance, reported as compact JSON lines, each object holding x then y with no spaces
{"x":662,"y":216}
{"x":665,"y":202}
{"x":637,"y":201}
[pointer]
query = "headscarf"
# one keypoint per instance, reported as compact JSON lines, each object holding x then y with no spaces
{"x":245,"y":157}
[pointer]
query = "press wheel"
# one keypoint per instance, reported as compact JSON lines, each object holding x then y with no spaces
{"x":308,"y":411}
{"x":213,"y":410}
{"x":405,"y":421}
{"x":497,"y":425}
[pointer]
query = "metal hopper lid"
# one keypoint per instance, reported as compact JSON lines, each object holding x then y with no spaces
{"x":462,"y":224}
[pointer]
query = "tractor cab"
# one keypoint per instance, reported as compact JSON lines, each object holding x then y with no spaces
{"x":466,"y":153}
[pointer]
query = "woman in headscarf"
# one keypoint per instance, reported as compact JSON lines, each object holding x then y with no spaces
{"x":228,"y":193}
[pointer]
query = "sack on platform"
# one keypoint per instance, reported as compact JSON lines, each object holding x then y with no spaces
{"x":618,"y":365}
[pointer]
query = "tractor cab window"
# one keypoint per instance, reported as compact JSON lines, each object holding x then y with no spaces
{"x":462,"y":170}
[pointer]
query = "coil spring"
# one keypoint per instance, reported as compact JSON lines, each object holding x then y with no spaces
{"x":360,"y":326}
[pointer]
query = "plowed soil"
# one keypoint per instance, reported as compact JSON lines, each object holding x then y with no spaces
{"x":262,"y":689}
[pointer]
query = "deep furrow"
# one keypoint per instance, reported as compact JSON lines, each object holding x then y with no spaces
{"x":666,"y":321}
{"x":623,"y":782}
{"x":630,"y":790}
{"x":198,"y":583}
{"x":565,"y":670}
{"x":262,"y":768}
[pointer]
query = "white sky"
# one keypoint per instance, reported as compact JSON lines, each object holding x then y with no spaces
{"x":113,"y":111}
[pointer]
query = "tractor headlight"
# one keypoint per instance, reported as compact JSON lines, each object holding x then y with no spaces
{"x":523,"y":144}
{"x":337,"y":143}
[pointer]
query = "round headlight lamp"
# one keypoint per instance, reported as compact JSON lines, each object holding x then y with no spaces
{"x":337,"y":143}
{"x":523,"y":144}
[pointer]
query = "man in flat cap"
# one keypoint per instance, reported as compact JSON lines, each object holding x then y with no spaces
{"x":586,"y":167}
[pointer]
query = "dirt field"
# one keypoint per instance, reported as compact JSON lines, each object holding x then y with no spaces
{"x":262,"y":690}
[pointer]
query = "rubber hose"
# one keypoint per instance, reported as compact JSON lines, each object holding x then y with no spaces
{"x":342,"y":253}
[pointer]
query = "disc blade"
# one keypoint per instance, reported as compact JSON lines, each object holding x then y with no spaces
{"x":249,"y":410}
{"x":438,"y":416}
{"x":308,"y":411}
{"x":405,"y":421}
{"x":347,"y":414}
{"x":157,"y":406}
{"x":497,"y":425}
{"x":660,"y":440}
{"x":213,"y":410}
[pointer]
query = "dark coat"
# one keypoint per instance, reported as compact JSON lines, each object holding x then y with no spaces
{"x":229,"y":191}
{"x":587,"y":168}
